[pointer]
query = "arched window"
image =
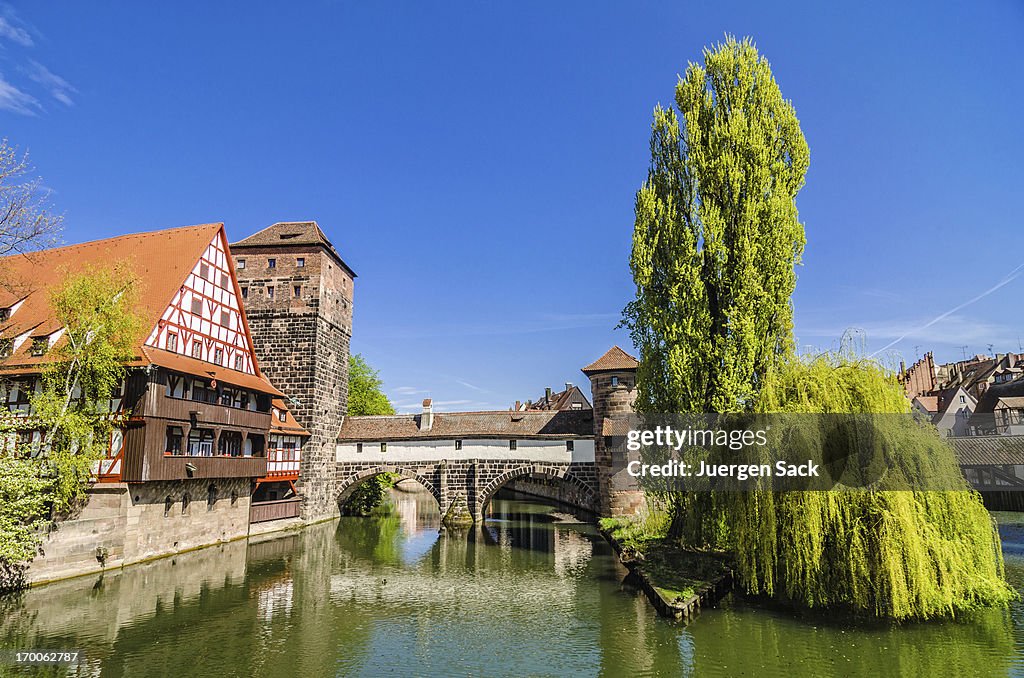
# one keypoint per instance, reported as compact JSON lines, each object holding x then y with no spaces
{"x":185,"y":499}
{"x":211,"y":497}
{"x":168,"y":504}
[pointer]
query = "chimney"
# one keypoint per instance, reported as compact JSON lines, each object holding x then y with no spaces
{"x":427,"y":418}
{"x":518,"y":406}
{"x":547,"y":395}
{"x":568,"y":385}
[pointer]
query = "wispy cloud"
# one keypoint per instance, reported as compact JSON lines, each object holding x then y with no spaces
{"x":1007,"y":279}
{"x":59,"y":88}
{"x":468,"y":385}
{"x":14,"y":100}
{"x":407,"y":390}
{"x":14,"y":33}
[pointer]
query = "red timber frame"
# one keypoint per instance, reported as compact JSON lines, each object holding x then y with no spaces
{"x":233,"y":339}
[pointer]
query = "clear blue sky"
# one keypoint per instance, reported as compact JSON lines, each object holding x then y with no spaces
{"x":476,"y":163}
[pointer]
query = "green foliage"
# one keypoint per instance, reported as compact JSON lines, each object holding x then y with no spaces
{"x":893,"y":554}
{"x":370,"y":495}
{"x":364,"y":393}
{"x":72,"y":407}
{"x":717,"y":237}
{"x":716,"y":241}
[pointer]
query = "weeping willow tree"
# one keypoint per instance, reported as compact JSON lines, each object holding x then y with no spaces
{"x":716,"y":241}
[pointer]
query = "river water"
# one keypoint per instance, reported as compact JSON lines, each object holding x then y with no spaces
{"x":532,"y":592}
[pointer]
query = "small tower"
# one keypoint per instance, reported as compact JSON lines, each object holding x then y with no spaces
{"x":613,"y":387}
{"x":297,"y":294}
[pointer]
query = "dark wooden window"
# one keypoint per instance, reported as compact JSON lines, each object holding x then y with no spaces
{"x":200,"y":442}
{"x":174,"y":440}
{"x":458,"y":444}
{"x":383,"y":447}
{"x":39,"y":346}
{"x":230,"y":443}
{"x":569,"y":446}
{"x":513,"y":444}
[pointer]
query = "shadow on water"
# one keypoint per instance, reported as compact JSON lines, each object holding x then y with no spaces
{"x":523,"y":594}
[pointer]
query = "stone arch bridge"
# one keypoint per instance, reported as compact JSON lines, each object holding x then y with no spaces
{"x":463,"y":488}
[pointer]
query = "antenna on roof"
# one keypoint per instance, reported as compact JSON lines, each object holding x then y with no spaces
{"x":916,"y":348}
{"x":963,"y":351}
{"x":990,"y":347}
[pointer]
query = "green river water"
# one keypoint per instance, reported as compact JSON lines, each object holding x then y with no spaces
{"x":531,"y":593}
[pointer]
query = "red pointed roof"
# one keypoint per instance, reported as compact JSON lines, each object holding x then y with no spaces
{"x":614,"y":360}
{"x":160,"y":260}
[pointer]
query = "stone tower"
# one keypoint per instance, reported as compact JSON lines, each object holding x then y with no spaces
{"x":297,"y":294}
{"x":613,"y":387}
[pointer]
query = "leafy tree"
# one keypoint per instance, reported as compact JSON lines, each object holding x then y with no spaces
{"x":365,"y":397}
{"x":72,"y":406}
{"x":364,"y":389}
{"x":716,"y":241}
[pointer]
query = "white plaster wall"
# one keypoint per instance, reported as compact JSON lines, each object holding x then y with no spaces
{"x":434,"y":450}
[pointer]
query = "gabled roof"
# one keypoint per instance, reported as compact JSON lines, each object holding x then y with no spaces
{"x":289,"y":233}
{"x":563,"y":400}
{"x":289,"y":426}
{"x":161,"y":260}
{"x":929,"y":402}
{"x":614,"y":359}
{"x":457,"y":425}
{"x":981,"y":450}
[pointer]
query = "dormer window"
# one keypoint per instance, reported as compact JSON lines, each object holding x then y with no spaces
{"x":6,"y":347}
{"x":5,"y":313}
{"x":39,"y":346}
{"x":282,"y":415}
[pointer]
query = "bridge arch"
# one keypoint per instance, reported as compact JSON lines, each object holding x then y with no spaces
{"x":580,"y":494}
{"x":349,"y":484}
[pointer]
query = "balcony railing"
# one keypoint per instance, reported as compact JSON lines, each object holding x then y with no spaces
{"x":274,"y":510}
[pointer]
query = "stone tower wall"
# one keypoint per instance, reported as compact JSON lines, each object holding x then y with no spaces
{"x":619,"y":492}
{"x":302,"y":338}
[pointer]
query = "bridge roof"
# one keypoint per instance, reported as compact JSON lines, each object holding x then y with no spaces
{"x":557,"y":424}
{"x":989,"y":450}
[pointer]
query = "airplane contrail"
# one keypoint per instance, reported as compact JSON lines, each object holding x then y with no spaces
{"x":1010,"y":277}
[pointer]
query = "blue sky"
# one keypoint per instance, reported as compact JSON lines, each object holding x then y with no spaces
{"x":476,"y":163}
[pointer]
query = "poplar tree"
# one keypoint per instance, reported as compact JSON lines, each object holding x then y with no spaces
{"x":716,"y":241}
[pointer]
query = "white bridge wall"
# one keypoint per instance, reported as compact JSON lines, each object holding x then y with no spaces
{"x":398,"y":451}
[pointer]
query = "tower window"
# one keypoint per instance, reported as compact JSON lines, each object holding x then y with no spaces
{"x":271,"y":263}
{"x":270,"y":292}
{"x":615,"y":381}
{"x":300,"y":262}
{"x":245,"y":292}
{"x":297,"y":291}
{"x":241,"y":263}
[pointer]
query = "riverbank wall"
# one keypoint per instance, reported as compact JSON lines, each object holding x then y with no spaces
{"x":123,"y":523}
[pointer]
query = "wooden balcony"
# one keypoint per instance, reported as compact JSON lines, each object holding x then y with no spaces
{"x":265,"y":511}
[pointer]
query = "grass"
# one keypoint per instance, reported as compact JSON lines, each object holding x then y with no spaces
{"x":675,"y":572}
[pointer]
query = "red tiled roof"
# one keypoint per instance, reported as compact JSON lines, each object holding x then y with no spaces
{"x":447,"y":425}
{"x":161,"y":260}
{"x":930,"y":403}
{"x":289,"y":426}
{"x":286,"y":233}
{"x":188,"y":365}
{"x":614,"y":359}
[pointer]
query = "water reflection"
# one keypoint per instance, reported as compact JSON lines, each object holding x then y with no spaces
{"x":525,"y":594}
